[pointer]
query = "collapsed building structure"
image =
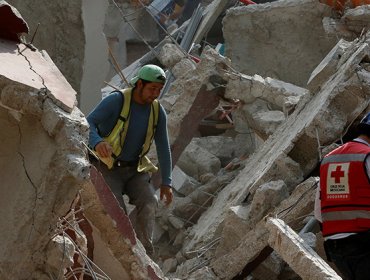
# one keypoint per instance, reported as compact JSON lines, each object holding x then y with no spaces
{"x":280,"y":98}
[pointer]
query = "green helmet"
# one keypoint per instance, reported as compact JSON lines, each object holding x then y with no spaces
{"x":150,"y":73}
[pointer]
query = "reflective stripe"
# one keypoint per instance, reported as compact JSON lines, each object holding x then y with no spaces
{"x":345,"y":215}
{"x":344,"y":158}
{"x":118,"y":134}
{"x":145,"y":165}
{"x":152,"y":124}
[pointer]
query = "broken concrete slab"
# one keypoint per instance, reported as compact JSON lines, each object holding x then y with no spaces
{"x":54,"y":37}
{"x":223,"y":147}
{"x":60,"y":253}
{"x":300,"y":257}
{"x":266,"y":198}
{"x":72,"y":34}
{"x":234,"y":228}
{"x":261,"y":118}
{"x":294,"y":29}
{"x":265,"y":102}
{"x":196,"y":161}
{"x":183,"y":183}
{"x":20,"y":64}
{"x":278,"y":94}
{"x":181,"y":68}
{"x":170,"y":54}
{"x":204,"y":273}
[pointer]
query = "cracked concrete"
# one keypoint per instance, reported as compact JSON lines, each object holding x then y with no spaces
{"x":44,"y":130}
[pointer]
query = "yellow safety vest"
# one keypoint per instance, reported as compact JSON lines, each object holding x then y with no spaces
{"x":118,"y":135}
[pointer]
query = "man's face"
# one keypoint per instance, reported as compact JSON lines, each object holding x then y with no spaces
{"x":148,"y":92}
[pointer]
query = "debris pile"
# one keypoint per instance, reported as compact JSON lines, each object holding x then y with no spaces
{"x":247,"y":129}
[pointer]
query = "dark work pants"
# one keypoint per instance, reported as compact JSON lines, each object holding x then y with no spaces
{"x":351,"y":255}
{"x":137,"y":186}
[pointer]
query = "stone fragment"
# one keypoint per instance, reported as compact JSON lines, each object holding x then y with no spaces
{"x":183,"y":183}
{"x":196,"y":161}
{"x":184,"y":66}
{"x":60,"y":252}
{"x":220,"y":146}
{"x":170,"y":54}
{"x":169,"y":265}
{"x":266,"y":198}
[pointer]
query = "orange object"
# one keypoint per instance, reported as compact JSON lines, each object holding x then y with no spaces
{"x":356,"y":3}
{"x":336,"y":4}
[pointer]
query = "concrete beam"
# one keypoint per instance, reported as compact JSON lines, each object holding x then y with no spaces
{"x":299,"y":256}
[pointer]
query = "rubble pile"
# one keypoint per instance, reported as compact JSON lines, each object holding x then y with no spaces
{"x":247,"y":130}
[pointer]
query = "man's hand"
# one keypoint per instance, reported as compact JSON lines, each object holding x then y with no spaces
{"x":166,"y":193}
{"x":104,"y":149}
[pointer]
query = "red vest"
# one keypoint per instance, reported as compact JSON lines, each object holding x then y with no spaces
{"x":345,"y":190}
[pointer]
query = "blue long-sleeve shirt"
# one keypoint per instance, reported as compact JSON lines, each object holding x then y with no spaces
{"x":104,"y":117}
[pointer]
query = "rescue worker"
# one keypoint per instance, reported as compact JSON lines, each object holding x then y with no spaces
{"x":122,"y":128}
{"x":345,"y":204}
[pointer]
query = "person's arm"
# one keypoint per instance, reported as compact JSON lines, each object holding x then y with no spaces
{"x":163,"y":148}
{"x":104,"y":117}
{"x":164,"y":157}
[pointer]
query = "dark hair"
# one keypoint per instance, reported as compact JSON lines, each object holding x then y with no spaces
{"x":363,"y":129}
{"x":364,"y":126}
{"x":143,"y":81}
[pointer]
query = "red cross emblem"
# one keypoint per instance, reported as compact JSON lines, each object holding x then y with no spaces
{"x":337,"y":174}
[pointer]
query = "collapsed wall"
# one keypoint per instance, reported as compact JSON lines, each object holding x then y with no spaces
{"x":283,"y":40}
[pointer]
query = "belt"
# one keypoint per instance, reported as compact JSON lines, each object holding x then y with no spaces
{"x":120,"y":163}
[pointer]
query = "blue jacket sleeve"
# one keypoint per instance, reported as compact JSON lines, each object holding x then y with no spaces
{"x":103,"y":118}
{"x":163,"y":148}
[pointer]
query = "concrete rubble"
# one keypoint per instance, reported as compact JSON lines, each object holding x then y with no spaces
{"x":247,"y":132}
